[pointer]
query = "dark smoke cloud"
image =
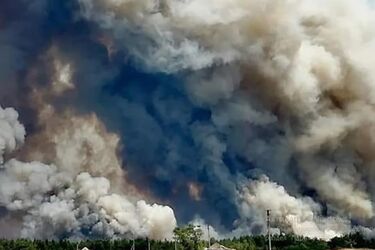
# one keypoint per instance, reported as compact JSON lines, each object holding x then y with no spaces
{"x":222,"y":110}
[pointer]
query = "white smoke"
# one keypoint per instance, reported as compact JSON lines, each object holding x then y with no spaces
{"x":304,"y":67}
{"x":208,"y":232}
{"x":12,"y":133}
{"x":67,"y":200}
{"x":300,"y":215}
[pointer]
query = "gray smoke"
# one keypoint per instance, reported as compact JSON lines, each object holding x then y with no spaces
{"x":73,"y":199}
{"x":298,"y":71}
{"x":229,"y":108}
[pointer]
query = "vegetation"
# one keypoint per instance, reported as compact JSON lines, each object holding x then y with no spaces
{"x":188,"y":238}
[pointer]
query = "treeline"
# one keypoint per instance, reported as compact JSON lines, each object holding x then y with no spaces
{"x":279,"y":242}
{"x":140,"y":244}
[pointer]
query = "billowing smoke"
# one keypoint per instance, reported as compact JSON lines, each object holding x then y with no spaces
{"x":300,"y":67}
{"x":298,"y":215}
{"x":67,"y":200}
{"x":12,"y":132}
{"x":223,"y":109}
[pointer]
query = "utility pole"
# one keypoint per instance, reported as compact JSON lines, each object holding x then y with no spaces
{"x":269,"y":228}
{"x":133,"y":245}
{"x":175,"y":242}
{"x":148,"y":244}
{"x":209,"y":238}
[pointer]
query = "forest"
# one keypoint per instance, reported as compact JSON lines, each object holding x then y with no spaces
{"x":189,"y":238}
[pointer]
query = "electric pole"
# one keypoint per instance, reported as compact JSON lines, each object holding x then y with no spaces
{"x":133,"y":245}
{"x":269,"y":228}
{"x":148,"y":244}
{"x":209,"y":238}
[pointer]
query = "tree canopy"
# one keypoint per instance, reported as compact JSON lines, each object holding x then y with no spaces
{"x":189,"y":238}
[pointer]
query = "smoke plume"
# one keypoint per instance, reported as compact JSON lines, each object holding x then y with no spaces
{"x":67,"y":200}
{"x":222,"y":109}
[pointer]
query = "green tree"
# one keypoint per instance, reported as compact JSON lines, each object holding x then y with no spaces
{"x":189,"y":237}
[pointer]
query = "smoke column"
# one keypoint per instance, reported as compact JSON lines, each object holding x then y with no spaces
{"x":64,"y":201}
{"x":218,"y":110}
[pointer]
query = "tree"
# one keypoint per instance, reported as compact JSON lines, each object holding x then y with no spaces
{"x":188,"y":236}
